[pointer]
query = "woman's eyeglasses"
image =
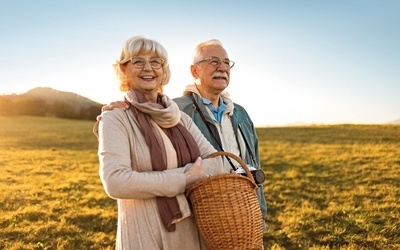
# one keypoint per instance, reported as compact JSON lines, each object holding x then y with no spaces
{"x":139,"y":62}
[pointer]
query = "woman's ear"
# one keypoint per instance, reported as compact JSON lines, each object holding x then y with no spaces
{"x":122,"y":67}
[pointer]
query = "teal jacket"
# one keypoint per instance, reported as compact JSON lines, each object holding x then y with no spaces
{"x":239,"y":118}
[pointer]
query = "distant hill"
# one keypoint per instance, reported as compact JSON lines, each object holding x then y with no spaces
{"x":44,"y":101}
{"x":395,"y":122}
{"x":50,"y":95}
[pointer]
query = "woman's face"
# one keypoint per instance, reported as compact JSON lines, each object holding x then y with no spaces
{"x":145,"y":73}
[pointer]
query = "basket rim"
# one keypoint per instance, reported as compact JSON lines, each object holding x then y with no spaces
{"x":236,"y":158}
{"x":206,"y":181}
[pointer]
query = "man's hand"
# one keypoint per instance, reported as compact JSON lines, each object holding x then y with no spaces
{"x":113,"y":105}
{"x":118,"y":104}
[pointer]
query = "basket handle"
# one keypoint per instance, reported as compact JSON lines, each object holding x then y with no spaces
{"x":236,"y":158}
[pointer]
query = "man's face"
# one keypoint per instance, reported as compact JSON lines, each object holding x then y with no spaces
{"x":213,"y":78}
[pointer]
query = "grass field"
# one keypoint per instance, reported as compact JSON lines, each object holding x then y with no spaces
{"x":327,"y":187}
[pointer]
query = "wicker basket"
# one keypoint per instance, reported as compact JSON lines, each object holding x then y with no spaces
{"x":226,"y":209}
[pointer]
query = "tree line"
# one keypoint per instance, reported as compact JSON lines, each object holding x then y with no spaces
{"x":35,"y":107}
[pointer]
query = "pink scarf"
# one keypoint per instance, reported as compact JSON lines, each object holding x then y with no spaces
{"x":167,"y":115}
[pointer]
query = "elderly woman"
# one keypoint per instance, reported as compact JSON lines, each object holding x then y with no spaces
{"x":150,"y":154}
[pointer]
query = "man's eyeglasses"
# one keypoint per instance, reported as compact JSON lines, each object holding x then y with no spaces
{"x":215,"y":62}
{"x":139,"y":62}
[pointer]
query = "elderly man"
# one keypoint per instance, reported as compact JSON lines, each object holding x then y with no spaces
{"x":225,"y":124}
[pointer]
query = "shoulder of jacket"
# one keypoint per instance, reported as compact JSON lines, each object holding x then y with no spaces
{"x":183,"y":100}
{"x":238,"y":106}
{"x":239,"y":109}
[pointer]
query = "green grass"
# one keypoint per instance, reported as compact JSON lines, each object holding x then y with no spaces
{"x":327,"y":187}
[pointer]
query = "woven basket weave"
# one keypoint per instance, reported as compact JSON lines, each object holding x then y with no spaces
{"x":226,"y":209}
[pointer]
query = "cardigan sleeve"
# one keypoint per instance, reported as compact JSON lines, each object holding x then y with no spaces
{"x":118,"y":178}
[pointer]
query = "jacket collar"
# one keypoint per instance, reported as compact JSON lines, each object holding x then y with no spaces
{"x":189,"y":89}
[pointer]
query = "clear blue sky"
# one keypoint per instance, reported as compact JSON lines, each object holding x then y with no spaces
{"x":309,"y":61}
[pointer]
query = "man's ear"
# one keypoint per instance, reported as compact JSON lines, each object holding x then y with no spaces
{"x":193,"y":69}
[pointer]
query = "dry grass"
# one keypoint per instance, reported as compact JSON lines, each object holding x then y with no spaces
{"x":327,"y":187}
{"x":332,"y":187}
{"x":52,"y":197}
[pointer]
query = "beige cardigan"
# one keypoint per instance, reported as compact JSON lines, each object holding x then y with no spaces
{"x":126,"y":174}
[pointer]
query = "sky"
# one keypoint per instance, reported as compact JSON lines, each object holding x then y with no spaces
{"x":297,"y":62}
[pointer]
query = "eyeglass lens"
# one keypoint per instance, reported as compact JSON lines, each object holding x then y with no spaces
{"x":215,"y":62}
{"x":139,"y":63}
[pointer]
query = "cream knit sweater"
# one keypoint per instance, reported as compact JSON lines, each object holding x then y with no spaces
{"x":127,"y":176}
